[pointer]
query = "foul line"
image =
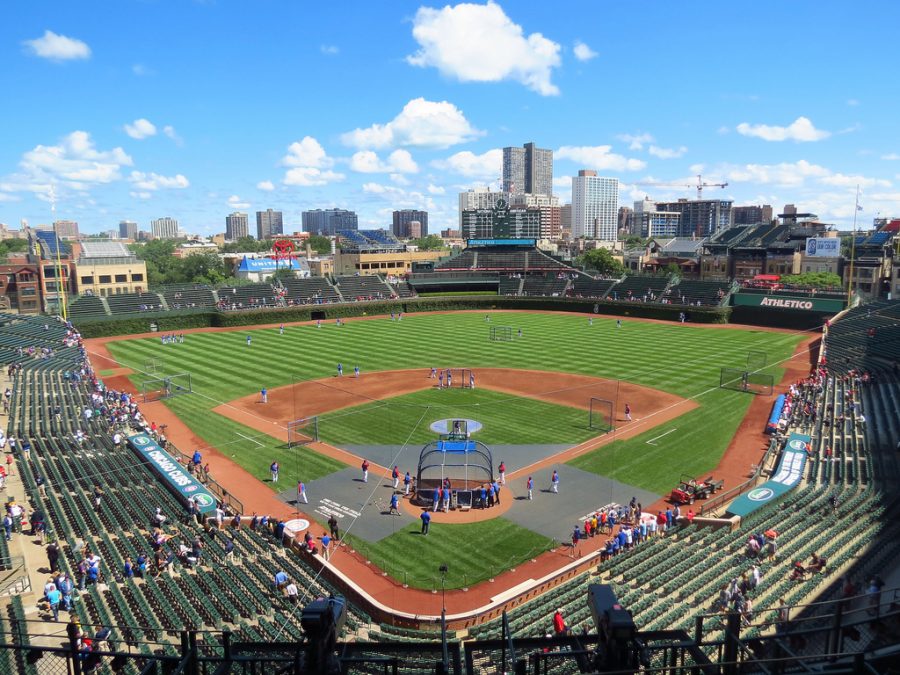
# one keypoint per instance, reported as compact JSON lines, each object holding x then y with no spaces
{"x":650,"y":442}
{"x":249,"y":439}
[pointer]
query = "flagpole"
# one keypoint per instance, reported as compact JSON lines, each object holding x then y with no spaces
{"x":852,"y":249}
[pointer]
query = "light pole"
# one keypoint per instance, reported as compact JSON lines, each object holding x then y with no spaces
{"x":445,"y":656}
{"x":443,"y":569}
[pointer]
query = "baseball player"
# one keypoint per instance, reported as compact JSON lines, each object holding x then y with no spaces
{"x":554,"y":482}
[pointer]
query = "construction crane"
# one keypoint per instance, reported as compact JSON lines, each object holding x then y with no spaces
{"x":699,"y":185}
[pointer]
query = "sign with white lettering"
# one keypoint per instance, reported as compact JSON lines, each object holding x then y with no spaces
{"x":823,"y":247}
{"x":175,"y":476}
{"x":809,"y":303}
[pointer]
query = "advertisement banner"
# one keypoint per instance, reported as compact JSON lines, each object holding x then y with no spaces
{"x":823,"y":247}
{"x":805,"y":303}
{"x":175,"y":476}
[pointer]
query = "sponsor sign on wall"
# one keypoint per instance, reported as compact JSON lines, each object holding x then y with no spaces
{"x":823,"y":247}
{"x":176,"y":477}
{"x":808,"y":303}
{"x":786,"y":476}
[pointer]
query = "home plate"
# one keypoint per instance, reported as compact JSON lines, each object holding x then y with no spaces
{"x":293,"y":527}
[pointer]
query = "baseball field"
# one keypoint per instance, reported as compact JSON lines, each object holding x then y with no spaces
{"x":657,"y":362}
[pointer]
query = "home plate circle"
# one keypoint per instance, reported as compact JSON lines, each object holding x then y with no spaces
{"x":447,"y":426}
{"x":295,"y":526}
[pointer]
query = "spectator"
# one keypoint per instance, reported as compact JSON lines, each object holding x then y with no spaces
{"x":559,"y":624}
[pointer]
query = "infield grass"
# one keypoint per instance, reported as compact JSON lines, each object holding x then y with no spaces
{"x":508,"y":420}
{"x":681,"y":359}
{"x":473,"y":552}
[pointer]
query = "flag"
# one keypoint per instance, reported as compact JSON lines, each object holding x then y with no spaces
{"x":859,"y":207}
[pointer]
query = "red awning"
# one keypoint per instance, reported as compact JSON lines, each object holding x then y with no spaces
{"x":766,"y":277}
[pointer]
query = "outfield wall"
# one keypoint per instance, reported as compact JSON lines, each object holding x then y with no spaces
{"x":176,"y":321}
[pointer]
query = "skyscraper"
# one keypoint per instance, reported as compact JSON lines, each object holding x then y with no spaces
{"x":237,"y":225}
{"x":528,"y":169}
{"x":402,"y":219}
{"x":66,"y":229}
{"x":595,"y":206}
{"x":128,"y":229}
{"x":329,"y":221}
{"x":269,"y":224}
{"x":699,"y":217}
{"x":164,"y":228}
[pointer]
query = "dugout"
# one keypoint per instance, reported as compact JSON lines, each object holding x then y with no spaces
{"x":467,"y":464}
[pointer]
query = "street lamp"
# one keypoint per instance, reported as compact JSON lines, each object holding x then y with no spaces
{"x":443,"y":569}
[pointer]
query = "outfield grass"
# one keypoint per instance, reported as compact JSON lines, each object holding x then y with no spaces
{"x":509,"y":420}
{"x":681,"y":359}
{"x":473,"y":552}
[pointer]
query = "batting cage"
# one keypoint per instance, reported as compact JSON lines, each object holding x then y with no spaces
{"x":464,"y":463}
{"x":738,"y":379}
{"x":459,"y":377}
{"x":501,"y":333}
{"x":601,"y":415}
{"x":158,"y":388}
{"x":303,"y":432}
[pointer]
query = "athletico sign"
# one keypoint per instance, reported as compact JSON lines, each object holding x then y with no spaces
{"x":805,"y":304}
{"x":787,"y":476}
{"x":175,"y":476}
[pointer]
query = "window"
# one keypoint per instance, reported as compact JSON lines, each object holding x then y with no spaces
{"x":28,"y":291}
{"x":87,"y":281}
{"x":105,"y":279}
{"x":137,"y":277}
{"x":121,"y":278}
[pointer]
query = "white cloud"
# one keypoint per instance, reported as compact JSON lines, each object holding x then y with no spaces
{"x":886,"y":196}
{"x":891,"y":156}
{"x":154,"y":181}
{"x":399,"y":161}
{"x":307,"y":176}
{"x":421,"y":123}
{"x":635,"y":141}
{"x":329,"y":50}
{"x":788,"y":174}
{"x":141,"y":70}
{"x":486,"y":165}
{"x":399,"y":179}
{"x":436,"y":189}
{"x":169,"y":131}
{"x":852,"y":102}
{"x":58,"y":47}
{"x":141,"y":195}
{"x":76,"y":160}
{"x":265,"y":185}
{"x":398,"y":197}
{"x":599,"y":157}
{"x":800,"y":130}
{"x":667,"y":153}
{"x":583,"y":52}
{"x":140,"y":129}
{"x":479,"y":43}
{"x":236,"y":202}
{"x":307,"y":152}
{"x":841,"y":180}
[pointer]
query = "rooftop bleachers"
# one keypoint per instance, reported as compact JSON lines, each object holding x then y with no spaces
{"x":312,"y":290}
{"x":586,"y":287}
{"x":189,"y":297}
{"x":368,"y":287}
{"x":124,"y":303}
{"x":539,"y":285}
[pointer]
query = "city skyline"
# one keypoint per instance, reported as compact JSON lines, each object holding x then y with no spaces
{"x":122,"y":130}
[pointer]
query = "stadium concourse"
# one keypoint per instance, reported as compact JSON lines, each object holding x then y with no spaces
{"x":98,"y":503}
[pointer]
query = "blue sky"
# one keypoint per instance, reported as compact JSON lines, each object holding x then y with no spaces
{"x":135,"y":110}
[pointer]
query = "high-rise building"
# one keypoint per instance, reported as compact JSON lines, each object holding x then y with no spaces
{"x":751,"y":215}
{"x":595,"y":206}
{"x":626,"y":218}
{"x":402,"y":220}
{"x":551,"y":222}
{"x":565,"y":217}
{"x":66,"y":229}
{"x":528,"y":169}
{"x":699,"y":217}
{"x":128,"y":229}
{"x":648,"y":221}
{"x":269,"y":224}
{"x":329,"y":221}
{"x":237,"y":225}
{"x":164,"y":228}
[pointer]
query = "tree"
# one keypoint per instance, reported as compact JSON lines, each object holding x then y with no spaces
{"x":813,"y":280}
{"x":247,"y":245}
{"x":200,"y":268}
{"x":282,"y":273}
{"x":8,"y":246}
{"x":673,"y":268}
{"x":430,"y":243}
{"x":634,"y":241}
{"x":602,"y":261}
{"x":319,"y":244}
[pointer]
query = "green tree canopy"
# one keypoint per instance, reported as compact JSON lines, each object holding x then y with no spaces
{"x":601,"y":260}
{"x":8,"y":246}
{"x":247,"y":245}
{"x":430,"y":243}
{"x":813,"y":280}
{"x":320,"y":244}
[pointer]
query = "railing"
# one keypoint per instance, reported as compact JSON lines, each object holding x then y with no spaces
{"x":15,"y":579}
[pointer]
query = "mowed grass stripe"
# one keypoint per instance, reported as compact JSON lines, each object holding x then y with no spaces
{"x":473,"y":552}
{"x":506,"y":419}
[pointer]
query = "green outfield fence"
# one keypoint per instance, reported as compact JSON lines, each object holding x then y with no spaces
{"x":180,"y":320}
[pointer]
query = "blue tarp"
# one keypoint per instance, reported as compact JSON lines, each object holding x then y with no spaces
{"x":456,"y":446}
{"x":777,"y":408}
{"x":175,"y":476}
{"x":785,"y":478}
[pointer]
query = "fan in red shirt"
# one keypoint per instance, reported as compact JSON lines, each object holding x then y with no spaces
{"x":559,"y":625}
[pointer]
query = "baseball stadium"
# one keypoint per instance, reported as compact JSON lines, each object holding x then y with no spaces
{"x":498,"y":465}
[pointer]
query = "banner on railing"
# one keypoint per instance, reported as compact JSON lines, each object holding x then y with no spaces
{"x":786,"y":477}
{"x":175,"y":476}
